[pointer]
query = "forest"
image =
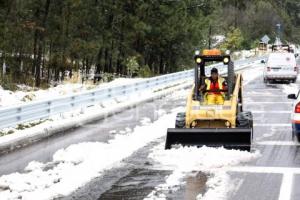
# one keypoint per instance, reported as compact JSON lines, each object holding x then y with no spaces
{"x":42,"y":39}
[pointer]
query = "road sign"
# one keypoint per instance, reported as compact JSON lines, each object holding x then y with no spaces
{"x":265,"y":39}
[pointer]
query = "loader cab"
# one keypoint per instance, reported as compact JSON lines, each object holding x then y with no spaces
{"x":202,"y":60}
{"x":202,"y":113}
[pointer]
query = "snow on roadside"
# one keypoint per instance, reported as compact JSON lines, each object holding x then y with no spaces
{"x":8,"y":98}
{"x":184,"y":160}
{"x":219,"y":185}
{"x":77,"y":164}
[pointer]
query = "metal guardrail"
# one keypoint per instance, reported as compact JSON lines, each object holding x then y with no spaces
{"x":18,"y":114}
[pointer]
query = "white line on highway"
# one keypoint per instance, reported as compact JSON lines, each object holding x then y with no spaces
{"x":264,"y":170}
{"x":286,"y":186}
{"x":264,"y":95}
{"x":273,"y":112}
{"x":272,"y":125}
{"x":269,"y":102}
{"x":264,"y":89}
{"x":278,"y":143}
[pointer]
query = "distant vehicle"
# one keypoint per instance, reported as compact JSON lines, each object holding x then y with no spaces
{"x":282,"y":48}
{"x":281,"y":67}
{"x":263,"y":46}
{"x":295,"y":115}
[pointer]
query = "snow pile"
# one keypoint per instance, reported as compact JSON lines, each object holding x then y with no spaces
{"x":183,"y":160}
{"x":219,"y":185}
{"x":78,"y":164}
{"x":9,"y":98}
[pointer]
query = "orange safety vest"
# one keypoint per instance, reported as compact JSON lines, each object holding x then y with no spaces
{"x":215,"y":86}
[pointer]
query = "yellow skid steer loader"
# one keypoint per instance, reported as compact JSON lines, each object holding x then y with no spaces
{"x":224,"y":125}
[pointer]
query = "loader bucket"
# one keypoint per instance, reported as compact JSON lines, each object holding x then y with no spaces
{"x":229,"y":138}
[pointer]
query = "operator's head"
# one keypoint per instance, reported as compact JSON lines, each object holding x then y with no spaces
{"x":214,"y":73}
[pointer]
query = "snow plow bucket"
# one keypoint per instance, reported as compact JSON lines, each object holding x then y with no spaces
{"x":229,"y":138}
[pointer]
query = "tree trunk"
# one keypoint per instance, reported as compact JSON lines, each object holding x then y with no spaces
{"x":97,"y":77}
{"x":161,"y":64}
{"x":40,"y":42}
{"x":111,"y":70}
{"x":106,"y":64}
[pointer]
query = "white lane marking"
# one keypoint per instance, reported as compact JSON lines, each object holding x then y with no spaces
{"x":273,"y":112}
{"x":264,"y":169}
{"x":266,"y":89}
{"x":243,"y":169}
{"x":269,"y":102}
{"x":272,"y":125}
{"x":265,"y":95}
{"x":278,"y":143}
{"x":286,"y":186}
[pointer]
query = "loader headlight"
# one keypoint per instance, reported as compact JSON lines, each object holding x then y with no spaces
{"x":227,"y":124}
{"x":197,"y":52}
{"x":226,"y":60}
{"x":198,"y":60}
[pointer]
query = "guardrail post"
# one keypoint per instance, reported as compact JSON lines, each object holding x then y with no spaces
{"x":72,"y":101}
{"x":93,"y":97}
{"x":124,"y":89}
{"x":136,"y":86}
{"x":19,"y":114}
{"x":109,"y":93}
{"x":49,"y":107}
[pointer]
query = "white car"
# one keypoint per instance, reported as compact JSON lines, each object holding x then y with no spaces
{"x":281,"y":66}
{"x":295,"y":115}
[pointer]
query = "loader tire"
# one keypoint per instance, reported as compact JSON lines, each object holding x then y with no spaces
{"x":245,"y":120}
{"x":180,"y":120}
{"x":298,"y":138}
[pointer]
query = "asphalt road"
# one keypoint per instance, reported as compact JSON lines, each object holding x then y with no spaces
{"x":273,"y":138}
{"x":272,"y":176}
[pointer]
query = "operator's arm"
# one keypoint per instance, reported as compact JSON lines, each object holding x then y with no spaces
{"x":202,"y":87}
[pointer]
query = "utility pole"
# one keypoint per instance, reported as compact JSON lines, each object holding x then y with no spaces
{"x":209,"y":37}
{"x":278,"y":40}
{"x":235,"y":13}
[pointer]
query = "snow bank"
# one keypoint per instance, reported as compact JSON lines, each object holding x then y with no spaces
{"x":8,"y":98}
{"x":184,"y":160}
{"x":78,"y":164}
